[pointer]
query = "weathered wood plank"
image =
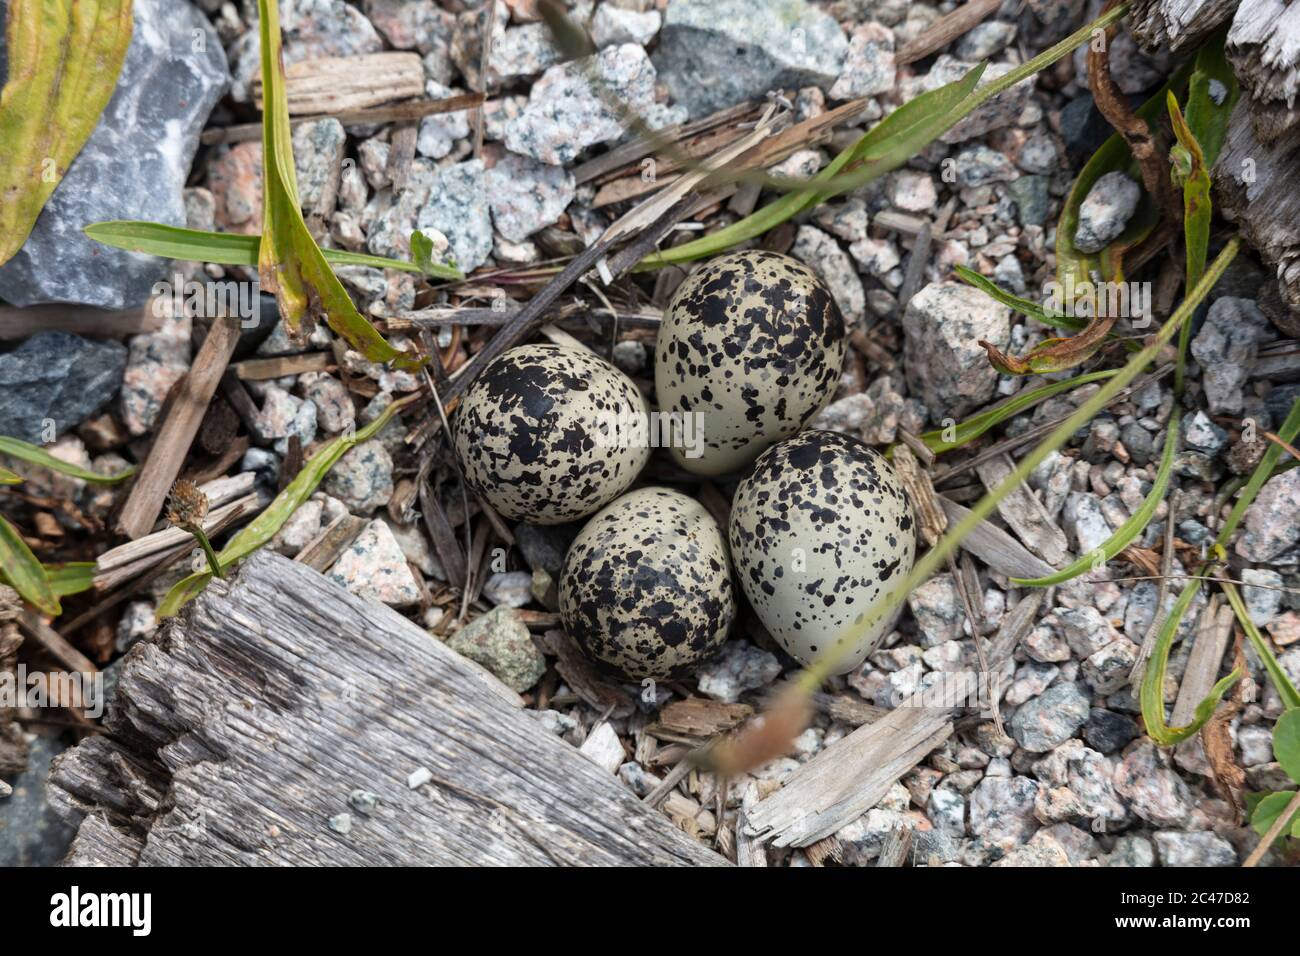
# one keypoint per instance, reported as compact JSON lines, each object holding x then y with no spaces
{"x":241,"y":730}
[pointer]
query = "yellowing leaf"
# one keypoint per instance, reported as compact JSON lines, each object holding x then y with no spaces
{"x":64,"y":60}
{"x":17,"y":448}
{"x":24,"y":572}
{"x":290,"y":264}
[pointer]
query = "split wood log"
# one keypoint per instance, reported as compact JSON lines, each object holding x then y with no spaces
{"x":1174,"y":24}
{"x":246,"y":729}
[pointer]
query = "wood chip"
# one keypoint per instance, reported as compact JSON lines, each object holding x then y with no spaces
{"x":1001,"y":552}
{"x":82,"y":320}
{"x":335,"y":84}
{"x":700,"y":717}
{"x":327,"y":547}
{"x":1025,"y":514}
{"x":263,"y":370}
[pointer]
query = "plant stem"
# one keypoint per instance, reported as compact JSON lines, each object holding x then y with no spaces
{"x":213,"y":563}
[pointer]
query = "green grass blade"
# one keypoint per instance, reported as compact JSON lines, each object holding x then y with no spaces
{"x":1151,"y":694}
{"x":1130,"y":529}
{"x":7,"y":477}
{"x":264,"y":527}
{"x":1014,"y":302}
{"x":232,"y":249}
{"x":1208,"y":119}
{"x":24,"y":573}
{"x":965,"y":432}
{"x":1272,"y":666}
{"x":933,"y":560}
{"x":64,"y":61}
{"x":16,"y":448}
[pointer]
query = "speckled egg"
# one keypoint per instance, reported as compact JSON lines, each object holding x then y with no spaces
{"x":819,"y":531}
{"x":752,"y":347}
{"x":646,"y":586}
{"x":533,"y":434}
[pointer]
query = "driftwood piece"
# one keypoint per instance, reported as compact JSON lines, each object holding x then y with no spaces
{"x":176,"y":433}
{"x":244,"y":730}
{"x":1174,"y":24}
{"x":1264,"y":48}
{"x":335,"y":84}
{"x":1024,"y":513}
{"x":1258,"y":187}
{"x":16,"y":323}
{"x":1001,"y":552}
{"x":850,"y":776}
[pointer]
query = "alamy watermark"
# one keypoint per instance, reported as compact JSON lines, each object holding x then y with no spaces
{"x":628,"y":429}
{"x":209,"y":299}
{"x":47,"y":689}
{"x":1131,"y":300}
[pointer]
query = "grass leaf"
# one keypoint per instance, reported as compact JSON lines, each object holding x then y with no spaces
{"x":233,"y":249}
{"x":1189,"y":167}
{"x":1272,"y":666}
{"x":1025,"y":307}
{"x":1151,"y":694}
{"x":71,"y":577}
{"x":290,"y":264}
{"x":1207,"y":116}
{"x":64,"y":61}
{"x":26,"y":574}
{"x":7,"y":477}
{"x":965,"y":432}
{"x":16,"y":448}
{"x":1130,"y":529}
{"x":1286,"y":743}
{"x":264,"y":527}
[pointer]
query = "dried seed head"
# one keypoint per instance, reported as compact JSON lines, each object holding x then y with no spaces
{"x":187,"y":506}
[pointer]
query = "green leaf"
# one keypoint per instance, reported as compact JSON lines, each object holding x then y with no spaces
{"x":289,"y":262}
{"x":1151,"y":694}
{"x":1272,"y":666}
{"x":1131,"y":528}
{"x":24,"y":572}
{"x":930,"y":562}
{"x":1014,"y":302}
{"x":7,"y":477}
{"x":263,"y":528}
{"x":1270,"y":808}
{"x":1197,"y":213}
{"x":967,"y":431}
{"x":1074,"y":267}
{"x":1207,"y":118}
{"x":16,"y":448}
{"x":1286,"y":743}
{"x":64,"y":61}
{"x":232,"y":249}
{"x":890,"y":143}
{"x":71,"y":577}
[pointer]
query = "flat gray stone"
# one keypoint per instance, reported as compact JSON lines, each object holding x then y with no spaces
{"x":134,"y":165}
{"x":58,"y":379}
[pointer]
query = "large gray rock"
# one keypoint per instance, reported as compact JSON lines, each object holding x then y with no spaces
{"x":713,"y":53}
{"x":133,"y":166}
{"x":946,"y":366}
{"x":59,"y":378}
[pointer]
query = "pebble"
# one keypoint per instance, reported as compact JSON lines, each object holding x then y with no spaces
{"x":155,"y":362}
{"x":1105,"y":211}
{"x":946,"y":367}
{"x":1051,"y":718}
{"x":614,"y":25}
{"x":458,"y":208}
{"x":511,"y":588}
{"x":1225,"y":348}
{"x":1107,"y":732}
{"x":54,"y":381}
{"x":1002,"y":810}
{"x":341,"y":823}
{"x":312,"y":29}
{"x":1106,"y":671}
{"x":911,"y":191}
{"x":833,"y":264}
{"x":1194,"y":848}
{"x":739,"y":667}
{"x":134,"y":166}
{"x":1039,"y":155}
{"x":985,"y":40}
{"x":318,"y":150}
{"x":500,"y":642}
{"x":1272,"y":524}
{"x":365,"y":802}
{"x":334,"y":409}
{"x":374,"y":567}
{"x":1203,"y":435}
{"x":947,"y":811}
{"x":301,"y":527}
{"x":411,"y":24}
{"x":868,"y":65}
{"x":979,"y":166}
{"x":1085,"y":522}
{"x":1263,"y":601}
{"x":1041,"y":851}
{"x":1030,"y":195}
{"x":1154,"y":791}
{"x":418,"y":778}
{"x":603,"y":748}
{"x":938,"y":611}
{"x":1131,"y":850}
{"x":527,"y":196}
{"x":566,"y":114}
{"x":439,"y":133}
{"x":715,"y":53}
{"x":363,"y":478}
{"x":522,"y":51}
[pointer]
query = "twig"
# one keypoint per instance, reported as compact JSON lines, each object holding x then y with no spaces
{"x":402,"y":112}
{"x":946,"y":29}
{"x":176,"y":434}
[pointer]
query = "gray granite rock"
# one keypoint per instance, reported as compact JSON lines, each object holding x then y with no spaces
{"x":526,"y":195}
{"x":1226,"y":347}
{"x":374,"y":567}
{"x":946,"y":367}
{"x":832,"y":263}
{"x":1002,"y":809}
{"x":1272,"y":523}
{"x":30,"y":834}
{"x":613,"y":25}
{"x":868,"y":66}
{"x":566,"y":113}
{"x":739,"y":667}
{"x":1051,"y":718}
{"x":1194,"y":848}
{"x":1105,"y":211}
{"x":133,"y":166}
{"x":54,"y":381}
{"x":714,"y":53}
{"x":458,"y":208}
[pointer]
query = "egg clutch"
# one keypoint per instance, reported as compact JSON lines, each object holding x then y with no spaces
{"x":750,"y":349}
